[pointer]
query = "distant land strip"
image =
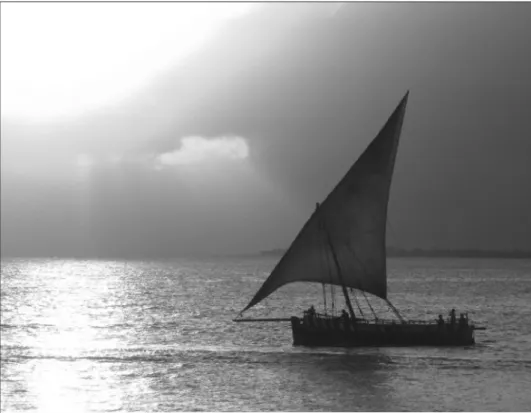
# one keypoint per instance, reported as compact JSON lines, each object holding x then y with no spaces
{"x":277,"y":253}
{"x":419,"y":252}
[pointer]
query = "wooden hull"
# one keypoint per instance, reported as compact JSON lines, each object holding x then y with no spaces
{"x":337,"y":333}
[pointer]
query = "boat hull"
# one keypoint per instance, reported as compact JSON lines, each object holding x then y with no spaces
{"x":337,"y":333}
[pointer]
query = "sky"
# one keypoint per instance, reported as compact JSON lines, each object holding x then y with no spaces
{"x":161,"y":130}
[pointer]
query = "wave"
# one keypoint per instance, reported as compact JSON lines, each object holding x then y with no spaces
{"x":26,"y":326}
{"x":187,"y":357}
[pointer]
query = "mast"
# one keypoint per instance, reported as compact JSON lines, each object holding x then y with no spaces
{"x":336,"y":262}
{"x":345,"y":292}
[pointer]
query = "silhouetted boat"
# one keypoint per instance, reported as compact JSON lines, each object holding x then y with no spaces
{"x":343,"y":244}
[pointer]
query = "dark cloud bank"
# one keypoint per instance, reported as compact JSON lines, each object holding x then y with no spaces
{"x":308,"y":88}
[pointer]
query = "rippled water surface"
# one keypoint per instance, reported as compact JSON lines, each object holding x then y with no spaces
{"x":157,"y":336}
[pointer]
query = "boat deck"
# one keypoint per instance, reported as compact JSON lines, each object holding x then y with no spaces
{"x":326,"y":330}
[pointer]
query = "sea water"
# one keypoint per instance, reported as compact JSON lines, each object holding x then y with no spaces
{"x":105,"y":336}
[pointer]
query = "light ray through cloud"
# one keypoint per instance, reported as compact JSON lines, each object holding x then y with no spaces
{"x":63,"y":59}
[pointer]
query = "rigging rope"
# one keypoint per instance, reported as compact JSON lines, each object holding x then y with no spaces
{"x":328,"y":266}
{"x":353,"y":291}
{"x":328,"y":242}
{"x":324,"y":296}
{"x":351,"y":250}
{"x":333,"y":296}
{"x":370,"y":306}
{"x":395,"y":311}
{"x":332,"y":286}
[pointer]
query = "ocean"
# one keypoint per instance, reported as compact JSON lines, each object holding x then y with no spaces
{"x":102,"y":336}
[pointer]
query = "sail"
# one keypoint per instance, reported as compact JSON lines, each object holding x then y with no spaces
{"x":350,"y":223}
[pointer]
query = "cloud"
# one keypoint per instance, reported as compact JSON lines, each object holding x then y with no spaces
{"x":196,"y":149}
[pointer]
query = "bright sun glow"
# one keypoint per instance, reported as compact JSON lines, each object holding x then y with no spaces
{"x":60,"y":59}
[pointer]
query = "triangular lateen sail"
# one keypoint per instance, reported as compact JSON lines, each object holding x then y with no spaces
{"x":354,"y":216}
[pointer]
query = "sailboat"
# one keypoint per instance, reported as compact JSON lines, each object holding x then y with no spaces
{"x":343,"y":244}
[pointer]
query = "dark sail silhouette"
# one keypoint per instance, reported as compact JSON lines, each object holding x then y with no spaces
{"x":354,"y":215}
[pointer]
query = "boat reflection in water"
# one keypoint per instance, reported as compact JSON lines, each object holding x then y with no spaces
{"x":344,"y":244}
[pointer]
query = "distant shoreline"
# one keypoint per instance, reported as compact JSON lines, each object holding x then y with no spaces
{"x":434,"y":253}
{"x":277,"y":253}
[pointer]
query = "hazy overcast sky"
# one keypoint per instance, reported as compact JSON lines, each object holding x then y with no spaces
{"x":169,"y":129}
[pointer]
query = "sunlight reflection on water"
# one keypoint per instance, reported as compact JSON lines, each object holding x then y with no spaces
{"x":157,"y":336}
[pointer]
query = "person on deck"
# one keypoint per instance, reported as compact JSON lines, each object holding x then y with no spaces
{"x":309,"y":316}
{"x":345,"y":320}
{"x":440,"y":320}
{"x":452,"y":316}
{"x":344,"y":315}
